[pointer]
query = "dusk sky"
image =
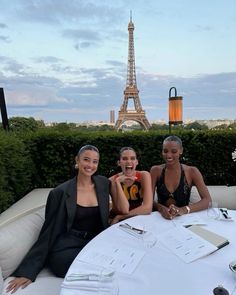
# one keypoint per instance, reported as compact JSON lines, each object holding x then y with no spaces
{"x":66,"y":61}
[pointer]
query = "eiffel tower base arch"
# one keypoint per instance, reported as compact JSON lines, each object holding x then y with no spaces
{"x":138,"y":117}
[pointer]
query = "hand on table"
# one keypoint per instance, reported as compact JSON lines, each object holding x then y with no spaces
{"x":171,"y":212}
{"x":176,"y":211}
{"x":116,"y":219}
{"x":127,"y":180}
{"x":165,"y":212}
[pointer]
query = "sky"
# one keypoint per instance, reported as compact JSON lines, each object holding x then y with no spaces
{"x":66,"y":61}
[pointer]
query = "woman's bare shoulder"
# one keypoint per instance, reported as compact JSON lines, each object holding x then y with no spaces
{"x":156,"y":168}
{"x":144,"y":172}
{"x":191,"y":171}
{"x":144,"y":175}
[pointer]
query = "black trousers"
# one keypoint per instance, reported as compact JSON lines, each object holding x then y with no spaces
{"x":65,"y":250}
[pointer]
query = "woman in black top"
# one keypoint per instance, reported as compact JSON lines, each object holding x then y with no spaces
{"x":173,"y":182}
{"x":76,"y":211}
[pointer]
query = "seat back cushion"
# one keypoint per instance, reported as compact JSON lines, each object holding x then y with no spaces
{"x":225,"y":196}
{"x":30,"y":203}
{"x":16,"y":238}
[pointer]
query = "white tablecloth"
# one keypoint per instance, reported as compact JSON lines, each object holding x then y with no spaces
{"x":160,"y":271}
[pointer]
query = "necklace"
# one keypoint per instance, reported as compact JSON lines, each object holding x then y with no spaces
{"x":171,"y":195}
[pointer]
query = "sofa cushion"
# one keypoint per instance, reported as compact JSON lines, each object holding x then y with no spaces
{"x":17,"y":237}
{"x":1,"y":280}
{"x":45,"y":284}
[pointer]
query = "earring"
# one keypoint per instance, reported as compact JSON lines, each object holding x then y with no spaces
{"x":76,"y":166}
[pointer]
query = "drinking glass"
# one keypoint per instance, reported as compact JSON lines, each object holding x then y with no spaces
{"x":149,"y":240}
{"x":213,"y":211}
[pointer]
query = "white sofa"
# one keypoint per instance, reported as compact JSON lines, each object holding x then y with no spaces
{"x":21,"y":223}
{"x":19,"y":229}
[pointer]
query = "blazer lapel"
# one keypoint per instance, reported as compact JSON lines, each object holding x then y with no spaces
{"x":103,"y":200}
{"x":71,"y":200}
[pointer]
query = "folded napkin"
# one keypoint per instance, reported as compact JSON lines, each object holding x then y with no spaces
{"x":92,"y":286}
{"x":91,"y":279}
{"x":224,"y":215}
{"x":91,"y":275}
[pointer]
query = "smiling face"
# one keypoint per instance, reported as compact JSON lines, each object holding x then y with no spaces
{"x":128,"y":162}
{"x":87,"y":162}
{"x":171,"y":152}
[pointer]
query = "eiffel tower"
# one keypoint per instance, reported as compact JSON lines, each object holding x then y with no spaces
{"x":131,"y":91}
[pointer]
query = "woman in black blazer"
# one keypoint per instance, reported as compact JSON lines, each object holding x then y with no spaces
{"x":76,"y":211}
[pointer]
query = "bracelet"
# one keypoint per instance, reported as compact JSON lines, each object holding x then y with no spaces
{"x":188,"y":209}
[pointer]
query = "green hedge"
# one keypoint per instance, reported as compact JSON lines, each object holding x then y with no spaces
{"x":46,"y":158}
{"x":16,"y":169}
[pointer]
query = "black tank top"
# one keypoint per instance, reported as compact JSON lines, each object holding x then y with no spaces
{"x":87,"y":219}
{"x":180,"y":197}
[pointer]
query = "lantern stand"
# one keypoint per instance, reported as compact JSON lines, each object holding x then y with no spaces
{"x":175,"y":109}
{"x":3,"y":109}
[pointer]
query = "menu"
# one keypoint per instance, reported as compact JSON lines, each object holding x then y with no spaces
{"x":187,"y":245}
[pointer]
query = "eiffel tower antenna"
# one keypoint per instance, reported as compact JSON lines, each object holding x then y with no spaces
{"x":131,"y":91}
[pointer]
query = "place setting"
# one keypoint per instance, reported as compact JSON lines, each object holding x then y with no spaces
{"x":217,"y":213}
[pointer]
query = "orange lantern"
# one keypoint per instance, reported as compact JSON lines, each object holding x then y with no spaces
{"x":175,"y":108}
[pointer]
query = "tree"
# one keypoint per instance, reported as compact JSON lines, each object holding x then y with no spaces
{"x":22,"y":124}
{"x":63,"y":126}
{"x":220,"y":127}
{"x":155,"y":126}
{"x":232,"y":126}
{"x":196,"y":126}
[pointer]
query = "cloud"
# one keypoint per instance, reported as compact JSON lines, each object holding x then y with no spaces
{"x":203,"y":28}
{"x":3,"y":26}
{"x":101,"y":90}
{"x":5,"y":39}
{"x":83,"y":45}
{"x":94,"y":91}
{"x":83,"y":38}
{"x":82,"y":34}
{"x":48,"y":59}
{"x":31,"y":97}
{"x":116,"y":63}
{"x":76,"y":11}
{"x":12,"y":66}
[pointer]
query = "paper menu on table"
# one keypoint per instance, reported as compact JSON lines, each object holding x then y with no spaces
{"x":185,"y":244}
{"x":215,"y":239}
{"x":120,"y":258}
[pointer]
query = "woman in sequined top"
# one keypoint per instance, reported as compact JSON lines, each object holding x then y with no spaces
{"x":131,"y":186}
{"x":173,"y":182}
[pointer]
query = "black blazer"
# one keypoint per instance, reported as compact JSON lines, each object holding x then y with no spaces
{"x":59,"y":217}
